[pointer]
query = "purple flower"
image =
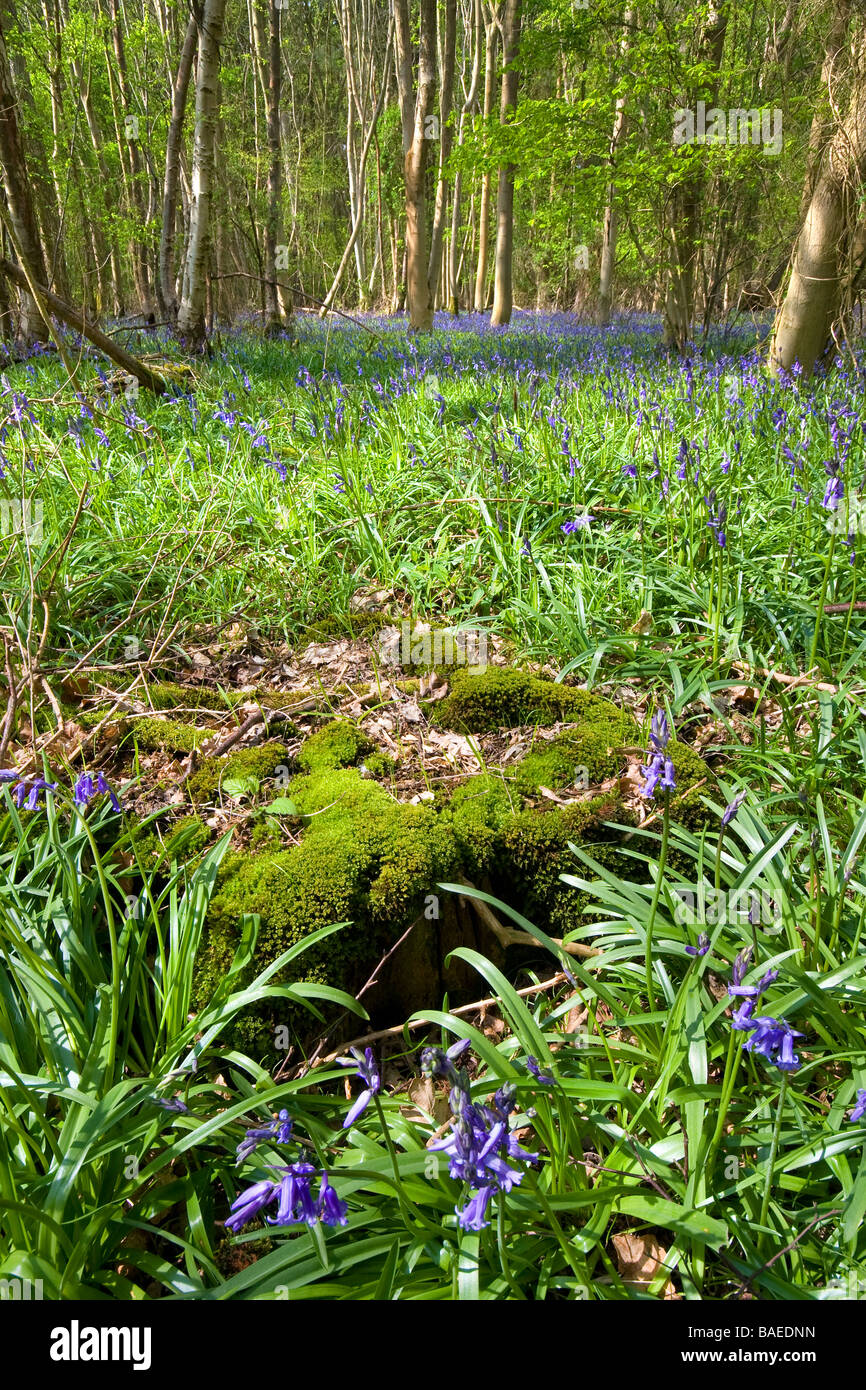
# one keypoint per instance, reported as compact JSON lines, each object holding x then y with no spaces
{"x":473,"y":1217}
{"x":702,"y":947}
{"x":295,"y":1197}
{"x":732,"y":808}
{"x":580,"y":523}
{"x":859,"y":1110}
{"x":249,"y":1203}
{"x":329,"y":1208}
{"x":280,"y":1130}
{"x":659,"y":771}
{"x":32,"y":790}
{"x":773,"y":1039}
{"x":535,"y":1070}
{"x":629,"y":470}
{"x":366,"y":1069}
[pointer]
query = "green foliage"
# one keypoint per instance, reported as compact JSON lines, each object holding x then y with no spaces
{"x":169,"y":735}
{"x":338,"y":744}
{"x":253,"y":764}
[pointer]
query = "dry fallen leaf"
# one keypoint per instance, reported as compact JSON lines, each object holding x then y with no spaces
{"x":639,"y":1259}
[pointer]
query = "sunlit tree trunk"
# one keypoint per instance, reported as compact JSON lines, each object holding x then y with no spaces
{"x":19,"y":201}
{"x":480,"y":297}
{"x":166,"y":277}
{"x":446,"y":135}
{"x":610,"y":227}
{"x":503,"y":296}
{"x":416,"y":143}
{"x":820,"y":258}
{"x":191,"y":318}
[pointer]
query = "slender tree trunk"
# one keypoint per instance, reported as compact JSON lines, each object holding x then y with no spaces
{"x":19,"y":199}
{"x":129,"y":142}
{"x":446,"y":135}
{"x":503,"y":297}
{"x":191,"y":317}
{"x":480,"y":299}
{"x":611,"y":212}
{"x":165,"y":285}
{"x":415,"y":145}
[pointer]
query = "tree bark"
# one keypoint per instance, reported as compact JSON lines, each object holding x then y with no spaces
{"x":503,"y":297}
{"x":446,"y":135}
{"x":821,"y":253}
{"x":480,"y":299}
{"x":191,"y":317}
{"x":165,"y":284}
{"x":415,"y":146}
{"x":16,"y":183}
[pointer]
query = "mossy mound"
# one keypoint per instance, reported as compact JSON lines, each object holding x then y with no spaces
{"x":364,"y":859}
{"x":338,"y":744}
{"x":253,"y":765}
{"x":185,"y":839}
{"x":379,"y":765}
{"x":477,"y":811}
{"x":170,"y":735}
{"x":581,"y":757}
{"x":503,"y":697}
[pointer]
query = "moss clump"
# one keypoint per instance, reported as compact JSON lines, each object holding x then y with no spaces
{"x":266,"y":836}
{"x":500,"y":698}
{"x":338,"y":744}
{"x":345,"y":625}
{"x":171,"y":735}
{"x":477,"y":811}
{"x":584,"y":756}
{"x":379,"y":765}
{"x":534,"y":852}
{"x":171,"y":695}
{"x":185,"y":839}
{"x":687,"y":807}
{"x":256,"y":764}
{"x":364,"y":859}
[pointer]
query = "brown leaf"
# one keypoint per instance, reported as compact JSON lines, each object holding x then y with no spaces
{"x":639,"y":1259}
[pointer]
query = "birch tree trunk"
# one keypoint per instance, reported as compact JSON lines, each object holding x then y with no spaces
{"x":480,"y":299}
{"x":191,"y":317}
{"x":266,"y":19}
{"x":469,"y":100}
{"x":415,"y":147}
{"x":165,"y":284}
{"x":821,"y":253}
{"x":502,"y":289}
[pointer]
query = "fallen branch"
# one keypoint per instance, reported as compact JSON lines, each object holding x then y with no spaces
{"x":513,"y":936}
{"x":73,"y":319}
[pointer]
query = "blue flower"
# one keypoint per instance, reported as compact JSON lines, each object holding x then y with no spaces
{"x":773,"y":1039}
{"x":330,"y":1209}
{"x":702,"y":947}
{"x":859,"y":1110}
{"x":366,"y":1069}
{"x":580,"y":523}
{"x":732,"y":808}
{"x":249,"y":1203}
{"x":280,"y":1130}
{"x":473,"y":1217}
{"x":535,"y":1070}
{"x":295,"y":1197}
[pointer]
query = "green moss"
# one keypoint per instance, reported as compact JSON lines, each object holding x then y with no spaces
{"x":582,"y":756}
{"x":477,"y":812}
{"x":168,"y":734}
{"x":364,"y":859}
{"x":338,"y":744}
{"x":345,"y":625}
{"x":501,"y":698}
{"x":258,"y":764}
{"x":379,"y":765}
{"x":687,"y":807}
{"x":171,"y":695}
{"x":534,"y":853}
{"x":184,"y":840}
{"x":266,"y":836}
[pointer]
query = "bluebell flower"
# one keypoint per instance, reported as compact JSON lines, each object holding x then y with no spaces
{"x":473,"y":1217}
{"x":366,"y":1069}
{"x":702,"y":947}
{"x":249,"y":1203}
{"x":175,"y":1105}
{"x":535,"y":1070}
{"x":732,"y":808}
{"x":773,"y":1039}
{"x":580,"y":523}
{"x":296,"y":1201}
{"x":629,"y":470}
{"x":859,"y":1111}
{"x":330,"y":1209}
{"x":279,"y":1130}
{"x":658,"y":773}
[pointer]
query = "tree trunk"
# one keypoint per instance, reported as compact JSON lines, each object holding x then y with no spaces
{"x":611,"y":212}
{"x":446,"y":97}
{"x":191,"y":317}
{"x":480,"y":300}
{"x":820,"y":255}
{"x":165,"y":284}
{"x":19,"y":198}
{"x":418,"y":298}
{"x":502,"y":288}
